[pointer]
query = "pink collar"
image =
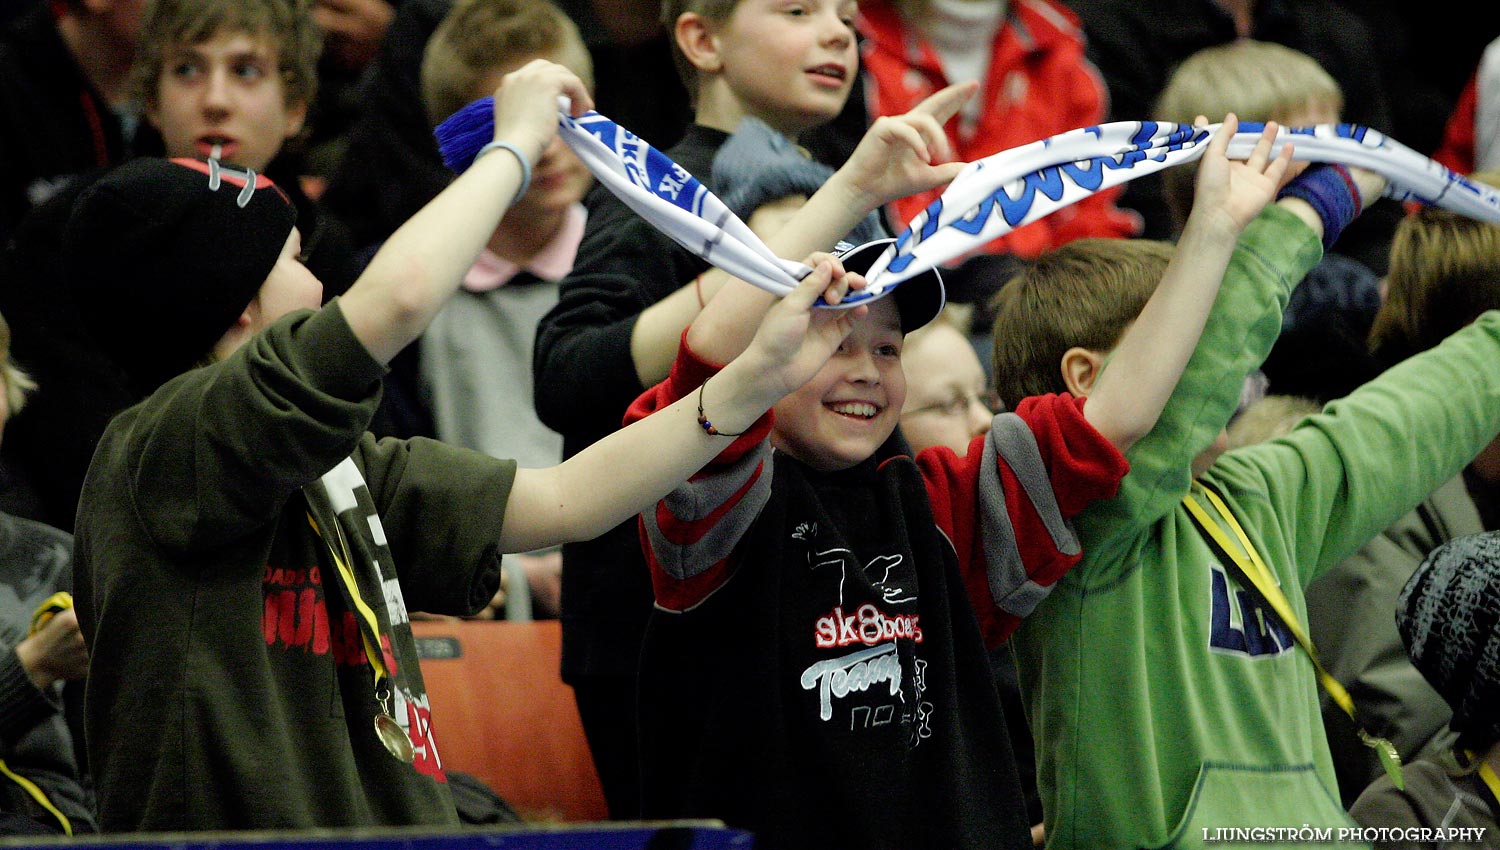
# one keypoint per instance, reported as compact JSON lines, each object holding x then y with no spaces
{"x":555,"y":260}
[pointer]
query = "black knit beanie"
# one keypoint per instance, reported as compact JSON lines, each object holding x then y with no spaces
{"x":163,"y":255}
{"x":1449,"y":618}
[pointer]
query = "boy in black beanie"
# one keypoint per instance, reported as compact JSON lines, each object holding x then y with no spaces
{"x":1449,"y":618}
{"x":147,"y":248}
{"x":247,"y":553}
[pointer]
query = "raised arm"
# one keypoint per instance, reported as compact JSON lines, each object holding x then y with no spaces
{"x":658,"y":331}
{"x":1274,"y":253}
{"x":1146,"y":364}
{"x":423,"y":262}
{"x":898,"y":156}
{"x":631,"y":469}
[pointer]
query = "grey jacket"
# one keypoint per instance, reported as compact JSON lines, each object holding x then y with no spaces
{"x":1351,"y":612}
{"x":35,"y":742}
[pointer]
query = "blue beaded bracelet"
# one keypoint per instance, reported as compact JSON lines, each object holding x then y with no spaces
{"x":520,"y":157}
{"x":1330,"y":190}
{"x":707,"y":426}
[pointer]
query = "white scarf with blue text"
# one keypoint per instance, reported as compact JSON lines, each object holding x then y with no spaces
{"x":994,"y":195}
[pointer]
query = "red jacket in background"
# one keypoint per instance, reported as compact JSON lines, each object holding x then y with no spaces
{"x":1039,"y":84}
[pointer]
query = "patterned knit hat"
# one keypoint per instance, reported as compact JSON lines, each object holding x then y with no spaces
{"x":163,"y":255}
{"x":1449,"y":618}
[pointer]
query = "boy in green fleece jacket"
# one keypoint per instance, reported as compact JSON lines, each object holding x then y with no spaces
{"x":1165,"y":702}
{"x":246,"y":551}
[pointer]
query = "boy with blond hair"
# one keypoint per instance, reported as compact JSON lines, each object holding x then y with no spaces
{"x":478,"y":39}
{"x":815,"y":670}
{"x":1151,"y":639}
{"x":476,"y":356}
{"x":632,"y":293}
{"x":472,"y":367}
{"x":1321,"y":352}
{"x":1257,"y":81}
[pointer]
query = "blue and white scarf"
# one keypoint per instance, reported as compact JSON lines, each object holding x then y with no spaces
{"x":989,"y":198}
{"x":995,"y":195}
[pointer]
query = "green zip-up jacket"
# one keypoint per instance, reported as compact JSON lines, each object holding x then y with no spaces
{"x":1163,"y":702}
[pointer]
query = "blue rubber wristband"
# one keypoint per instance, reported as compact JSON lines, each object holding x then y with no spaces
{"x":1330,"y":190}
{"x":499,"y":144}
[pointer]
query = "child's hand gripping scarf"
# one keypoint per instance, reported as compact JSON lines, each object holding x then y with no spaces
{"x":999,"y":193}
{"x":989,"y":198}
{"x":649,"y":182}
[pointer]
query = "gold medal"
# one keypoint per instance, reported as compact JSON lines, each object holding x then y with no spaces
{"x":395,"y":741}
{"x":391,"y":736}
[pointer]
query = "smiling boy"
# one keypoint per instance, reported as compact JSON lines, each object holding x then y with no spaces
{"x":790,"y":63}
{"x":815,"y":669}
{"x":630,"y":295}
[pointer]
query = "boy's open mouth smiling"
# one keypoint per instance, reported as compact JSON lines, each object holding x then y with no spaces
{"x":861,"y":410}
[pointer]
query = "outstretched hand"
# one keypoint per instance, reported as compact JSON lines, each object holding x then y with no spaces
{"x":1237,"y":190}
{"x":526,"y":104}
{"x":902,"y":155}
{"x":795,"y":339}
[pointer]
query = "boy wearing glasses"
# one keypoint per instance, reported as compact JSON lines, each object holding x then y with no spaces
{"x":948,"y":401}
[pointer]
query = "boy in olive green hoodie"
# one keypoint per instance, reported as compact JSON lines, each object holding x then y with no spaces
{"x":246,"y":550}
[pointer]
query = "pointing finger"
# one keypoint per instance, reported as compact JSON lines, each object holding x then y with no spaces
{"x":944,"y":103}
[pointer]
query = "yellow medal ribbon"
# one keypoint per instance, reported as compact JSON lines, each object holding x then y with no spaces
{"x":1487,"y":773}
{"x":392,"y":737}
{"x":1254,"y":570}
{"x":346,"y":574}
{"x":38,"y":795}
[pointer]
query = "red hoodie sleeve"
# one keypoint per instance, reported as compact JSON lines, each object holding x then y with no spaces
{"x":1006,"y":505}
{"x":690,"y":535}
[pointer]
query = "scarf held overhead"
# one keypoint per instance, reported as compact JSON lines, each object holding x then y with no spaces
{"x":989,"y":198}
